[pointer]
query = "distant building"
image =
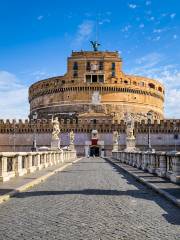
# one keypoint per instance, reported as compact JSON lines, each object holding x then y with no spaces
{"x":95,"y":82}
{"x":94,"y":96}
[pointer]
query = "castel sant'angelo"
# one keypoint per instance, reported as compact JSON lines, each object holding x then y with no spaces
{"x":93,"y":99}
{"x":96,"y":86}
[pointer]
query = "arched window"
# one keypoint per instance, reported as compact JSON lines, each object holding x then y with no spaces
{"x":160,"y":89}
{"x":151,"y":85}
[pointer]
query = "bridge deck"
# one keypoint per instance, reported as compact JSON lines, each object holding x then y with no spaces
{"x":89,"y":200}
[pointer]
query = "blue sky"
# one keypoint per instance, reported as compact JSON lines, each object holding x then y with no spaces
{"x":36,"y":36}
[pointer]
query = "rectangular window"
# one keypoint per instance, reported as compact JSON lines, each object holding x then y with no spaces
{"x":75,"y":66}
{"x":94,"y":78}
{"x":88,"y":66}
{"x":75,"y":74}
{"x":88,"y":78}
{"x":101,"y":78}
{"x":101,"y":66}
{"x":113,"y":66}
{"x":113,"y":74}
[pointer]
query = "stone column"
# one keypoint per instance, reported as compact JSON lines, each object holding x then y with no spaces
{"x":134,"y":159}
{"x":144,"y":161}
{"x":18,"y":165}
{"x":152,"y":166}
{"x":175,"y":176}
{"x":38,"y":161}
{"x":3,"y":169}
{"x":5,"y":174}
{"x":163,"y":165}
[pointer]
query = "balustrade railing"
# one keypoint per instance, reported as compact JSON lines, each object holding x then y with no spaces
{"x":164,"y":164}
{"x":19,"y":163}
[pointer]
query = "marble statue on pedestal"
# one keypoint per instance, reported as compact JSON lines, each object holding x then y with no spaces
{"x":130,"y":138}
{"x":115,"y":140}
{"x":55,"y":141}
{"x":71,"y":140}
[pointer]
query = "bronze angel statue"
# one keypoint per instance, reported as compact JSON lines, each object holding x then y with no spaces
{"x":95,"y":45}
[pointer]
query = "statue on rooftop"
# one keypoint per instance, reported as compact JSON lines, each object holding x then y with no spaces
{"x":95,"y":45}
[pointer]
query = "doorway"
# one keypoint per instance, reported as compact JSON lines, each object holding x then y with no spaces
{"x":94,"y":151}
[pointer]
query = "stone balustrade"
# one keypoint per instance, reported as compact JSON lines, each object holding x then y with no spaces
{"x":19,"y":163}
{"x":163,"y":164}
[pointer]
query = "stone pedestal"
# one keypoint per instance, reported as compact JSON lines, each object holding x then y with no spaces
{"x":55,"y":144}
{"x":175,"y":176}
{"x":115,"y":147}
{"x":130,"y":145}
{"x":162,"y":168}
{"x":72,"y":147}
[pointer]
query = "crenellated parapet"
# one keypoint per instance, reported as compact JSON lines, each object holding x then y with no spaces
{"x":86,"y":126}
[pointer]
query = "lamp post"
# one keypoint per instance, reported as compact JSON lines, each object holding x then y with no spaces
{"x":14,"y":136}
{"x":175,"y":134}
{"x":34,"y":146}
{"x":149,"y":118}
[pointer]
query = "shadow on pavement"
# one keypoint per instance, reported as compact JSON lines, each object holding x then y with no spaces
{"x":4,"y":191}
{"x":172,"y":214}
{"x":169,"y":215}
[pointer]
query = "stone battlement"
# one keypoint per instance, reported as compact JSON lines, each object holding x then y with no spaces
{"x":84,"y":125}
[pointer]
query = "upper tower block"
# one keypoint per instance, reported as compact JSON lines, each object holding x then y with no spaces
{"x":94,"y":67}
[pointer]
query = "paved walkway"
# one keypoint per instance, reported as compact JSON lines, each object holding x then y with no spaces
{"x":163,"y":185}
{"x":92,"y":199}
{"x":16,"y":182}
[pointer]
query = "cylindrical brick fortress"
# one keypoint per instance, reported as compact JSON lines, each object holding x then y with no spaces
{"x":96,"y":72}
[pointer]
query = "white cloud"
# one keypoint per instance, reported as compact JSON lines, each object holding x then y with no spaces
{"x":106,"y":20}
{"x":126,"y":28}
{"x":157,"y":38}
{"x":152,"y":18}
{"x":164,"y":14}
{"x":39,"y":18}
{"x":148,"y":3}
{"x":141,"y":25}
{"x":41,"y":74}
{"x":13,"y":97}
{"x":149,"y":60}
{"x":84,"y":31}
{"x":138,"y":19}
{"x":153,"y":66}
{"x":133,"y":6}
{"x":172,"y":15}
{"x":109,"y":13}
{"x":175,"y":36}
{"x":149,"y":12}
{"x":158,"y":30}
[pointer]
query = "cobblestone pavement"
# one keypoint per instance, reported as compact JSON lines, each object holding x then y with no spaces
{"x":92,"y":199}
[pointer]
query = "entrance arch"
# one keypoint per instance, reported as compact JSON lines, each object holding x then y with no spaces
{"x":94,"y":151}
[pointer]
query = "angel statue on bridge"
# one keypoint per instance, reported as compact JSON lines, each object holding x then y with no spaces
{"x":56,"y":128}
{"x":115,"y":137}
{"x":71,"y":136}
{"x":129,"y":120}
